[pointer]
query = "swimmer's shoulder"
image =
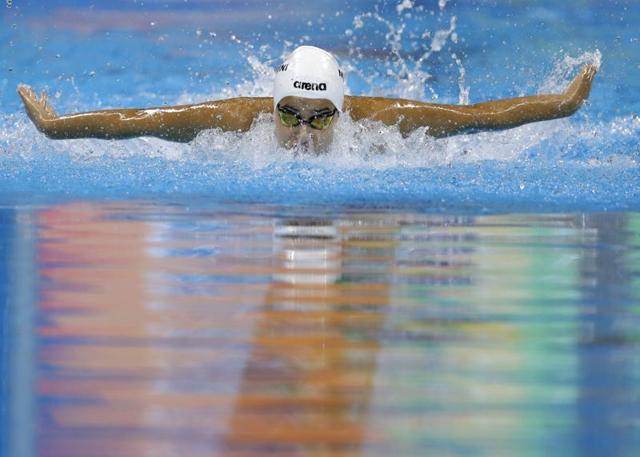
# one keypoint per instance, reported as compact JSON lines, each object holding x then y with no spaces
{"x":236,"y":113}
{"x":364,"y":107}
{"x":261,"y":104}
{"x":253,"y":106}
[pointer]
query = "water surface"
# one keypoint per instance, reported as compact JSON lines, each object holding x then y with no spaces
{"x":143,"y":54}
{"x":138,"y":328}
{"x":476,"y":295}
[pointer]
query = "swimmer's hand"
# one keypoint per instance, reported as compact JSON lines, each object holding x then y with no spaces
{"x":579,"y":89}
{"x":39,"y":110}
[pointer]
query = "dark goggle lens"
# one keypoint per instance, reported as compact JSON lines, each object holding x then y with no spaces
{"x":288,"y":119}
{"x":321,"y":122}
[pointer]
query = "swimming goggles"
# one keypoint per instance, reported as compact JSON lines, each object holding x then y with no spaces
{"x":292,"y":118}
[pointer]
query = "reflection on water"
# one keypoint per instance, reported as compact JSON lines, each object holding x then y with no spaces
{"x":160,"y":330}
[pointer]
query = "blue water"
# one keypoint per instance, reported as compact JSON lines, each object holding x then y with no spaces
{"x":153,"y":54}
{"x":471,"y":295}
{"x":141,"y":328}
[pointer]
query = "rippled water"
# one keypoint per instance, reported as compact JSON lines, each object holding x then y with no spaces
{"x":476,"y":295}
{"x":135,"y":328}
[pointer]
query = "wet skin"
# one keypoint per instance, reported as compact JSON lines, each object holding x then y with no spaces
{"x":183,"y":123}
{"x":304,"y":135}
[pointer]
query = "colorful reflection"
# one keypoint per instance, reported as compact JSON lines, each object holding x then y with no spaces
{"x":160,"y":330}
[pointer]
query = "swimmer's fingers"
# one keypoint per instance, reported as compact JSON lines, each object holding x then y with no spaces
{"x":26,"y":94}
{"x":580,"y":87}
{"x":30,"y":101}
{"x":590,"y":71}
{"x":45,"y":106}
{"x":38,"y":111}
{"x":44,"y":102}
{"x":588,"y":74}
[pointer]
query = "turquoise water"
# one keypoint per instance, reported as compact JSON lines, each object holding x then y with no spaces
{"x":476,"y":295}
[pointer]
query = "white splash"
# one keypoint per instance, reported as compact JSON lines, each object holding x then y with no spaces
{"x":565,"y":70}
{"x":463,"y":97}
{"x":404,"y":5}
{"x":409,"y":76}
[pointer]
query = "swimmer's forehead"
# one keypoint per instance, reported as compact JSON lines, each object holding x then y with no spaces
{"x":307,"y":104}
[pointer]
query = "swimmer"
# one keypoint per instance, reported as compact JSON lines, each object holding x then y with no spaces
{"x":308,"y":99}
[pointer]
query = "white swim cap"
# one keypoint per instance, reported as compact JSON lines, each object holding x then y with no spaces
{"x":310,"y":72}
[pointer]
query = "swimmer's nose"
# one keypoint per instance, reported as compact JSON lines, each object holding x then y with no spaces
{"x":304,"y":130}
{"x":304,"y":134}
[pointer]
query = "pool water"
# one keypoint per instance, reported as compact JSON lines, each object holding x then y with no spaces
{"x":161,"y":329}
{"x":122,"y":55}
{"x":476,"y":295}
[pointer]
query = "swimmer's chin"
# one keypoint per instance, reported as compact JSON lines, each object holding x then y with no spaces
{"x":304,"y":148}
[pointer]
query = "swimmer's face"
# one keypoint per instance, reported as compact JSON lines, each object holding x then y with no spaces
{"x":303,"y":134}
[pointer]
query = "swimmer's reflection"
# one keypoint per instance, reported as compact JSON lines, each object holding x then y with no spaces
{"x":307,"y":384}
{"x":233,"y":335}
{"x":158,"y":333}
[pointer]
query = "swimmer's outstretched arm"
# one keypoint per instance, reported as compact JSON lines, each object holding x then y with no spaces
{"x":176,"y":123}
{"x":444,"y":120}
